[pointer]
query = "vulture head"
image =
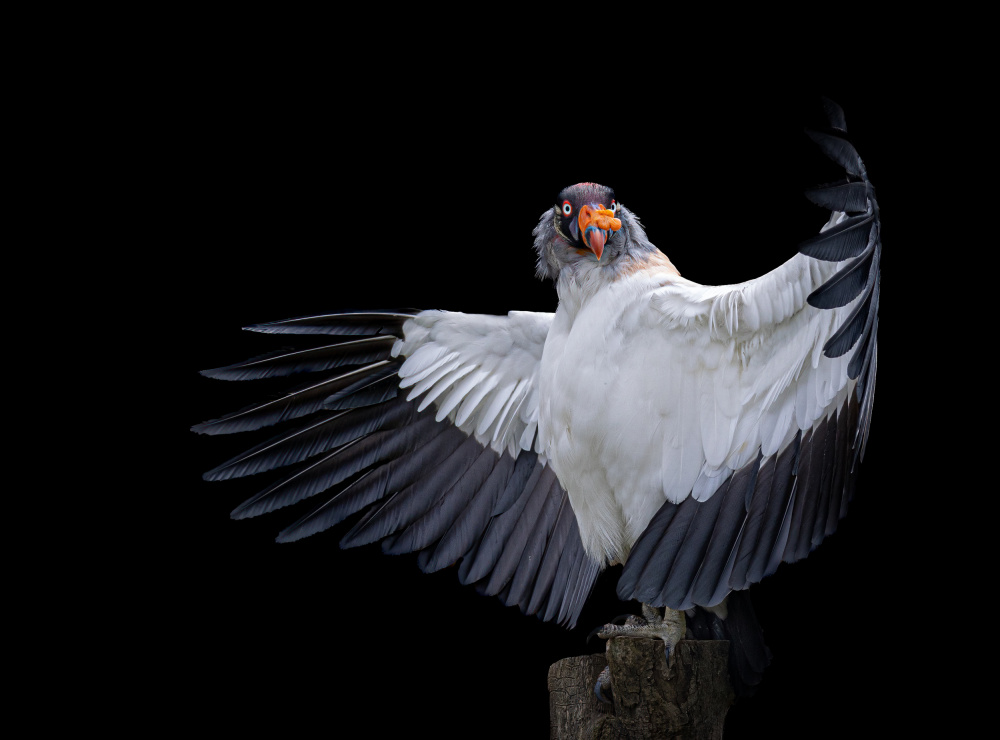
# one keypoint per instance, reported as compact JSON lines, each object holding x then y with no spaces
{"x":587,"y":229}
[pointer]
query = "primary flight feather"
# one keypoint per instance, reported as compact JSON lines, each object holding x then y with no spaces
{"x":698,"y":435}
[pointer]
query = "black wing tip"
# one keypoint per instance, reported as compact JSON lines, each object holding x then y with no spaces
{"x":220,"y":373}
{"x":226,"y":425}
{"x":207,"y":427}
{"x":837,"y":146}
{"x":834,"y":114}
{"x":225,"y":471}
{"x":297,"y":324}
{"x":275,"y":327}
{"x":305,"y":526}
{"x":846,"y":195}
{"x":254,"y":507}
{"x":823,"y":135}
{"x":245,"y":509}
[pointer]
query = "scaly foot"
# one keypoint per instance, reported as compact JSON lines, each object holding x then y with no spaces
{"x":670,"y":627}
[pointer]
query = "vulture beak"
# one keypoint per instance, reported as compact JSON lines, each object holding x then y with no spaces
{"x":594,"y":224}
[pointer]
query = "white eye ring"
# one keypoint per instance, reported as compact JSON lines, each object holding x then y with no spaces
{"x":614,"y":207}
{"x":567,"y":208}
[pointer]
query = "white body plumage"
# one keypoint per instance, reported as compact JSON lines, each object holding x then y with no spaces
{"x":642,"y":389}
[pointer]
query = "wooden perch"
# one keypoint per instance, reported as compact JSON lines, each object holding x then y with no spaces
{"x":688,"y":699}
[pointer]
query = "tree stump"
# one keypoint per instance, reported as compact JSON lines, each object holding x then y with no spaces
{"x":688,"y":699}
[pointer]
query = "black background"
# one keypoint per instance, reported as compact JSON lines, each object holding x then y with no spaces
{"x":295,"y":185}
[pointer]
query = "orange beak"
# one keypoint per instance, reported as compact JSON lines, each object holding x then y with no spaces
{"x":595,"y":225}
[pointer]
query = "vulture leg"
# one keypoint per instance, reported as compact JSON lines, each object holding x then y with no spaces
{"x":670,"y":626}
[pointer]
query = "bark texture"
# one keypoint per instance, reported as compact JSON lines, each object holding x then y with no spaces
{"x":688,"y":699}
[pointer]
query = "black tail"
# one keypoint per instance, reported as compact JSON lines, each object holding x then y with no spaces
{"x":749,"y":656}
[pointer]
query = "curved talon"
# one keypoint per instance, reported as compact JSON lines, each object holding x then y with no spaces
{"x":603,"y":689}
{"x":618,"y":621}
{"x":670,"y":626}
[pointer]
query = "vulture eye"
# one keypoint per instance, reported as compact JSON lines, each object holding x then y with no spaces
{"x":613,"y":207}
{"x":567,"y":208}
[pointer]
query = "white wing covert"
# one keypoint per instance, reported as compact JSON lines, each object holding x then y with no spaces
{"x":481,"y":370}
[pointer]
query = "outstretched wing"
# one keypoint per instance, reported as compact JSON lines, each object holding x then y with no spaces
{"x":783,"y":375}
{"x":428,"y":427}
